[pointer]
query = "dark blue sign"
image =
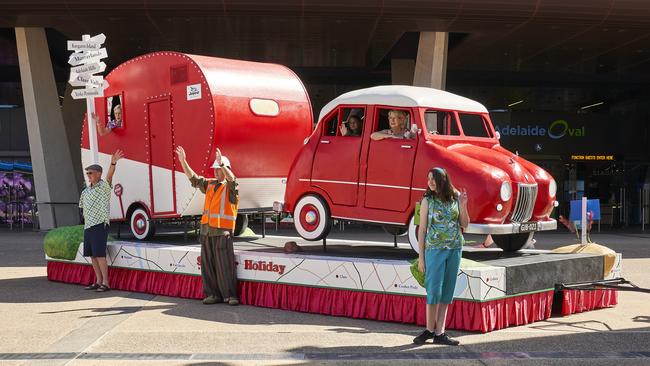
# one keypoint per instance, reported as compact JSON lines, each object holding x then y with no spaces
{"x":593,"y":206}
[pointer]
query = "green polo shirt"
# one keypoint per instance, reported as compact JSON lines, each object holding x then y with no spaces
{"x":96,"y":204}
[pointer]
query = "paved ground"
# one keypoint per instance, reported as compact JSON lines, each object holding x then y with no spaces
{"x":51,"y":323}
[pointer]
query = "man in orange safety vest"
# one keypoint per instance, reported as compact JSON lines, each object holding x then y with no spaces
{"x":218,"y":269}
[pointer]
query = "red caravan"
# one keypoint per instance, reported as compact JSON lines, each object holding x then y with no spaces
{"x":257,"y":114}
{"x":357,"y":178}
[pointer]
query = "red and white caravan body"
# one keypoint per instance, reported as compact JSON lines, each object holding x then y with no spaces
{"x":258,"y":115}
{"x":357,"y":178}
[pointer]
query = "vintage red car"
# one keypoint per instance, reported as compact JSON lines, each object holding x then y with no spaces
{"x":353,"y":177}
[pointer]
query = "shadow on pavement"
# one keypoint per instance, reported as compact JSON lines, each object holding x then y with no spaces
{"x":626,"y":343}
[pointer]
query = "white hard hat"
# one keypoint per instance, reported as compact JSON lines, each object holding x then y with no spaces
{"x":224,"y":160}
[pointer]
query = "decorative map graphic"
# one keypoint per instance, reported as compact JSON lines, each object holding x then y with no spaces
{"x":478,"y":283}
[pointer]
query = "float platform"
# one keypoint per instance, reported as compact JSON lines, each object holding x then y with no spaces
{"x":494,"y":289}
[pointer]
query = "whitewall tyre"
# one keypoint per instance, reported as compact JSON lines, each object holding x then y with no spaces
{"x":140,"y":223}
{"x":241,"y":224}
{"x":413,"y":234}
{"x":311,"y":218}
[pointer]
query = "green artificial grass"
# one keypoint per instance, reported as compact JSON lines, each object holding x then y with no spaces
{"x":415,"y":271}
{"x":63,"y":242}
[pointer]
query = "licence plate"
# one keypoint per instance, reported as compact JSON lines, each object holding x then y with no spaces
{"x":527,"y":227}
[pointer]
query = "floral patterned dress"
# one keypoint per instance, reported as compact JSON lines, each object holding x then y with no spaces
{"x":443,"y":226}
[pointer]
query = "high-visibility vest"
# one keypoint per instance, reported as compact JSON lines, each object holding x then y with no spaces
{"x":218,"y":212}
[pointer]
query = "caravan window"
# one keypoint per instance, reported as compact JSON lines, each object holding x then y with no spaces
{"x":264,"y":107}
{"x":114,"y":112}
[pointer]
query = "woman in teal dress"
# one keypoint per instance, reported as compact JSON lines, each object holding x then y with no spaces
{"x":443,"y":215}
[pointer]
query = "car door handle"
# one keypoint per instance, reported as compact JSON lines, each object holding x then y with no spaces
{"x":324,"y":141}
{"x":406,"y":147}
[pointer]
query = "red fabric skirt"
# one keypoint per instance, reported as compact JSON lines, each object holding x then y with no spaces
{"x":463,"y":315}
{"x":577,"y":301}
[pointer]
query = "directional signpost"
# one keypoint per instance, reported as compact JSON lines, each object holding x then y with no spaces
{"x":86,"y":62}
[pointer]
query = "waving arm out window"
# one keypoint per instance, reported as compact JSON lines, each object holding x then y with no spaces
{"x":114,"y":112}
{"x":352,"y":122}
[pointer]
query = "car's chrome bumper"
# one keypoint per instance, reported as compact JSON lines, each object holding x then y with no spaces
{"x":278,"y":206}
{"x":512,"y":228}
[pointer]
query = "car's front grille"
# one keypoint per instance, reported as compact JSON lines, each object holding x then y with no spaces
{"x":523,"y":211}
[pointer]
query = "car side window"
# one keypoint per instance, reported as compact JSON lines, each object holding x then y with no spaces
{"x":331,"y":125}
{"x":352,"y":120}
{"x":393,"y":123}
{"x":474,"y":125}
{"x":441,"y":122}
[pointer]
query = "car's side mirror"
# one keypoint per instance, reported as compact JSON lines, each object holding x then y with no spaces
{"x":497,"y":135}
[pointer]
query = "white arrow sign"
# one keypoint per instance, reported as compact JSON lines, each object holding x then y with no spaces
{"x":79,"y":79}
{"x":87,"y":57}
{"x":97,"y":82}
{"x":87,"y":93}
{"x":83,"y":45}
{"x":100,"y":38}
{"x":93,"y":68}
{"x":88,"y":81}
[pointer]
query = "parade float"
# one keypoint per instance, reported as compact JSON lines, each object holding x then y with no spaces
{"x":260,"y":116}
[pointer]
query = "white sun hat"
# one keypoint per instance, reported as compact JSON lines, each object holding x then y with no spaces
{"x":224,"y":160}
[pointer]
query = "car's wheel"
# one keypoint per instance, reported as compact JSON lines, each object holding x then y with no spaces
{"x":512,"y":242}
{"x":241,"y":224}
{"x":141,"y":225}
{"x":311,"y":218}
{"x":413,"y":234}
{"x":395,"y":230}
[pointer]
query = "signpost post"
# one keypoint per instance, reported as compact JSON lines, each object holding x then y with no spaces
{"x":583,"y":221}
{"x":85,"y":62}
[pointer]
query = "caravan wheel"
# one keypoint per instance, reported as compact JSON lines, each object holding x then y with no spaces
{"x":141,"y":225}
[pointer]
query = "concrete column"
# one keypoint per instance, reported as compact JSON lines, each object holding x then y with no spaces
{"x":74,"y":112}
{"x":54,"y":176}
{"x":401,"y":71}
{"x":431,"y":63}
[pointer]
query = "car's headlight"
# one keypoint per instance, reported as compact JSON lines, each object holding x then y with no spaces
{"x":506,"y":191}
{"x":552,"y":188}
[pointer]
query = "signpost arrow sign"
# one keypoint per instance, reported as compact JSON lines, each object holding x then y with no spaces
{"x":79,"y":79}
{"x":100,"y":38}
{"x":93,"y":68}
{"x":86,"y":57}
{"x":83,"y":45}
{"x":97,"y":82}
{"x":87,"y":93}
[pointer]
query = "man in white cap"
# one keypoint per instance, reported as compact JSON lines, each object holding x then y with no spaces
{"x":95,"y":203}
{"x":217,"y":225}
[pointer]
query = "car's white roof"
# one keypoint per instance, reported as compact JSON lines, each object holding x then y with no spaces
{"x":405,"y":96}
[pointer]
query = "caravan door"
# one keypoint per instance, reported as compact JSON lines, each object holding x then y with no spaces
{"x":161,"y":157}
